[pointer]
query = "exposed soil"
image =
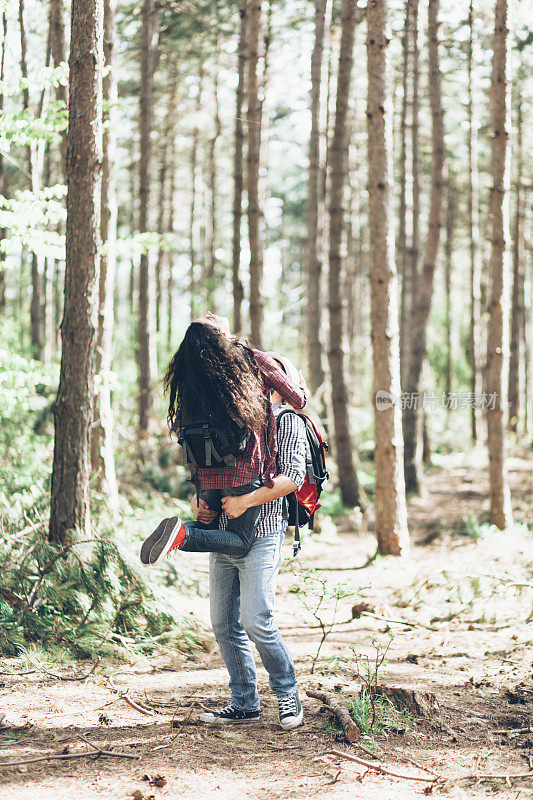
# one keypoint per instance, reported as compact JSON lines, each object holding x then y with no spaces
{"x":464,"y":603}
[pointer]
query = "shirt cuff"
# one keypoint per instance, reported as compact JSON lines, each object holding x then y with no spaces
{"x":296,"y":475}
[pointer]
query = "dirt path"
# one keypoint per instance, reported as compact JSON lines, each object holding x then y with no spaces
{"x":457,"y":614}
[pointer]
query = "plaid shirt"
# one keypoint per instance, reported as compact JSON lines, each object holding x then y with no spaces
{"x":259,"y":458}
{"x":291,"y":461}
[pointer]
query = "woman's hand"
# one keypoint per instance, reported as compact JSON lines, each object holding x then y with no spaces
{"x":202,"y":512}
{"x":236,"y":506}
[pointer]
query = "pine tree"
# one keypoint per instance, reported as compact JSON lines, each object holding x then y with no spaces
{"x":498,"y":341}
{"x":389,"y":503}
{"x":69,"y":506}
{"x":349,"y":485}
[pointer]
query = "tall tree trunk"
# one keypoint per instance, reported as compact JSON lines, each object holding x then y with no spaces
{"x":102,"y":450}
{"x":448,"y":261}
{"x":3,"y":231}
{"x":146,"y":357}
{"x":211,"y":217}
{"x":350,"y":490}
{"x":390,"y":506}
{"x":162,"y":199}
{"x":402,"y":213}
{"x":36,"y":294}
{"x":314,"y":193}
{"x":238,"y":174}
{"x":254,"y":118}
{"x":57,"y":40}
{"x":69,"y":505}
{"x":498,"y":344}
{"x":132,"y":226}
{"x":424,"y":284}
{"x":527,"y":323}
{"x":517,"y":307}
{"x":194,"y":236}
{"x":170,"y":230}
{"x":410,"y":276}
{"x":474,"y":343}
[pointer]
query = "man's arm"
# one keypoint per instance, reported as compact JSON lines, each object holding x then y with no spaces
{"x":235,"y":506}
{"x":292,"y":445}
{"x":275,"y":378}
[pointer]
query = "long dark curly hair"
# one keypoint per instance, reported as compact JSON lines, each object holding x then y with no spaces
{"x":216,"y":378}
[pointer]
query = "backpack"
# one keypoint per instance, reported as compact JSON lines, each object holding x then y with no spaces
{"x":207,"y":445}
{"x":303,"y":504}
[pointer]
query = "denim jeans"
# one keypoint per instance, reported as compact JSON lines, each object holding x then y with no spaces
{"x":241,"y":594}
{"x":237,"y":539}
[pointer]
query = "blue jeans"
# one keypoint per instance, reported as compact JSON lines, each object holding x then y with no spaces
{"x":241,"y":594}
{"x":237,"y":539}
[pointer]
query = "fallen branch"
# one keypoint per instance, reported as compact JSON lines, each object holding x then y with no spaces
{"x":149,"y":712}
{"x":514,"y":731}
{"x":95,"y":753}
{"x":67,"y":677}
{"x":505,"y":778}
{"x":381,"y":769}
{"x":349,"y":728}
{"x":399,"y":621}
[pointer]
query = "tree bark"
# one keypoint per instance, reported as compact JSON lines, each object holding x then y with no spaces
{"x":424,"y":283}
{"x":146,"y":357}
{"x":168,"y":133}
{"x":389,"y":500}
{"x":36,"y":294}
{"x":211,"y":217}
{"x":170,"y":229}
{"x":3,"y":190}
{"x":350,"y":490}
{"x":314,"y":195}
{"x":69,"y":506}
{"x":102,"y":450}
{"x":57,"y":40}
{"x":349,"y":728}
{"x":498,"y":337}
{"x":474,"y":343}
{"x":254,"y":120}
{"x":451,"y":210}
{"x":401,"y":245}
{"x":412,"y":245}
{"x":238,"y":174}
{"x":517,"y":307}
{"x":193,"y":226}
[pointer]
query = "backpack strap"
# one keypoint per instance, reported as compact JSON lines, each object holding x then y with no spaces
{"x":296,"y":545}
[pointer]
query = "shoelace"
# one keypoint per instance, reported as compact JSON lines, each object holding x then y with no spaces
{"x":227,"y":710}
{"x":287,"y":705}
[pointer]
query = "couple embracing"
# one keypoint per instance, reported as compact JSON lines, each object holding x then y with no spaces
{"x":223,"y":397}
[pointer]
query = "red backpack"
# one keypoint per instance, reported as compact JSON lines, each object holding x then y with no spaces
{"x":304,"y":503}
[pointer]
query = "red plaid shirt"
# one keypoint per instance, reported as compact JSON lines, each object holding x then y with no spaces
{"x":259,"y":458}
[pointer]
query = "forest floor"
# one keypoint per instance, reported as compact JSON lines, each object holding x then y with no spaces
{"x":457,"y":612}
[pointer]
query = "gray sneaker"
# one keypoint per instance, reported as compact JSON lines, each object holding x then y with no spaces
{"x":290,"y":711}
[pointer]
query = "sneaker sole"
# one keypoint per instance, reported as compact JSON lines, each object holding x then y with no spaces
{"x":160,"y":541}
{"x":218,"y":721}
{"x":294,"y":722}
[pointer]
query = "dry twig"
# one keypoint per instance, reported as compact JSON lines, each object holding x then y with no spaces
{"x":381,"y":769}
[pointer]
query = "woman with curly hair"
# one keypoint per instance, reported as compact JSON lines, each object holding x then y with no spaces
{"x":219,"y":405}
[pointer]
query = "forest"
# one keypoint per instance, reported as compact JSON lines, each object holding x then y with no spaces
{"x":348,"y":182}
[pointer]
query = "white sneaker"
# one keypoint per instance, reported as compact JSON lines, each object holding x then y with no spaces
{"x":290,"y":711}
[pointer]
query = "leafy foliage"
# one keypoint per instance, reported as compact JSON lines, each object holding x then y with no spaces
{"x":88,"y":598}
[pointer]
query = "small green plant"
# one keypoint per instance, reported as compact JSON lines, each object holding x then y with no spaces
{"x":373,"y":713}
{"x":321,"y":599}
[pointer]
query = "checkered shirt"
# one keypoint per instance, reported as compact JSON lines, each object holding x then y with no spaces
{"x":291,"y":461}
{"x":259,"y":458}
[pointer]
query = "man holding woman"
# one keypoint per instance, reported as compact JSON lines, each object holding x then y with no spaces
{"x":239,"y":508}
